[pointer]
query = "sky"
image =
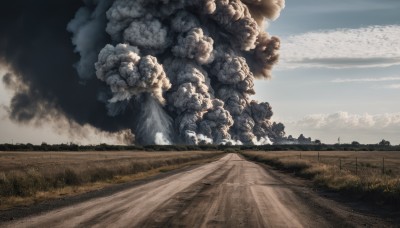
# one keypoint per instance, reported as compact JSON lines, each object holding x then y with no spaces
{"x":339,"y":71}
{"x":338,"y":76}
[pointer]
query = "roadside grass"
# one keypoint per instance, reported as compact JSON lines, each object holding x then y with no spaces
{"x":366,"y":184}
{"x":25,"y":183}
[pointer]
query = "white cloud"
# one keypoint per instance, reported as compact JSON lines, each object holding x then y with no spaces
{"x":345,"y":6}
{"x":345,"y":120}
{"x":365,"y":128}
{"x":373,"y":46}
{"x":368,"y":80}
{"x":382,"y":79}
{"x":394,"y":86}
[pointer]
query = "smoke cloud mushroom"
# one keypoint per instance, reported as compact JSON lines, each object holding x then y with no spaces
{"x":195,"y":46}
{"x":260,"y":9}
{"x":147,"y":33}
{"x":128,"y":74}
{"x":171,"y":71}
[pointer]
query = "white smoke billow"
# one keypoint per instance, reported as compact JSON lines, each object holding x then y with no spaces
{"x":190,"y":64}
{"x":160,"y":139}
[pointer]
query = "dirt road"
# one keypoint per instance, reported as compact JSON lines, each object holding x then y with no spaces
{"x":230,"y":192}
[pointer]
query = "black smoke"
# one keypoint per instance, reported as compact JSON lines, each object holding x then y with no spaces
{"x":36,"y":46}
{"x":211,"y":51}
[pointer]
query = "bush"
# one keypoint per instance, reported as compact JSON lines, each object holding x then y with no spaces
{"x":100,"y":174}
{"x":68,"y":177}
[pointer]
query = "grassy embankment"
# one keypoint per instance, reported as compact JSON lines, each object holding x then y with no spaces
{"x":30,"y":177}
{"x":371,"y":176}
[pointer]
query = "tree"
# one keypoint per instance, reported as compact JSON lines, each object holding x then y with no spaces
{"x":355,"y":143}
{"x":384,"y":143}
{"x":318,"y":142}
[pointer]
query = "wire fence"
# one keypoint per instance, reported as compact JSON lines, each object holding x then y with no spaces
{"x":358,"y":165}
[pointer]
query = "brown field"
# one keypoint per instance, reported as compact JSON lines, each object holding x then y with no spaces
{"x":224,"y":191}
{"x":363,"y":162}
{"x":53,"y":161}
{"x":26,"y":177}
{"x":373,"y":175}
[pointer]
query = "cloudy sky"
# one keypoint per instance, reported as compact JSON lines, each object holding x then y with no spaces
{"x":339,"y":75}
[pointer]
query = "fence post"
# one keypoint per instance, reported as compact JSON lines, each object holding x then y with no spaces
{"x":383,"y":165}
{"x":340,"y":163}
{"x":318,"y":156}
{"x":300,"y":155}
{"x":356,"y":166}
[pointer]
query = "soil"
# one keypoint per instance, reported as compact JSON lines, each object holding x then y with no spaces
{"x":230,"y":192}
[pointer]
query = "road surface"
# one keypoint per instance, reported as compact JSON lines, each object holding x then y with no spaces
{"x":230,"y":192}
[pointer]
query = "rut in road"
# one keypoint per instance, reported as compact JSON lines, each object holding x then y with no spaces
{"x":230,"y":192}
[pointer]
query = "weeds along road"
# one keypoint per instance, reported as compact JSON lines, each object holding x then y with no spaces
{"x":230,"y":192}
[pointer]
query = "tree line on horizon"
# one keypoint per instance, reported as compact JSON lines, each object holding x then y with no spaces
{"x":314,"y":146}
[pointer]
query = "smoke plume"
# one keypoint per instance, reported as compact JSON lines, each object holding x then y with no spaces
{"x":172,"y":71}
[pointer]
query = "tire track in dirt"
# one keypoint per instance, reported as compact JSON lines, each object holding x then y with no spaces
{"x":230,"y":192}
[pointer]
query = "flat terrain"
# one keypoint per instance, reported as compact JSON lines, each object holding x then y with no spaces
{"x":366,"y":162}
{"x":230,"y":192}
{"x":53,"y":161}
{"x":27,"y":178}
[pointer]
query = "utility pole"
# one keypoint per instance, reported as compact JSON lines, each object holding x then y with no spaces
{"x":338,"y":140}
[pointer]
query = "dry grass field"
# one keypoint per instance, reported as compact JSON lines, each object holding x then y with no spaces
{"x":364,"y":163}
{"x":371,"y":175}
{"x":26,"y":177}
